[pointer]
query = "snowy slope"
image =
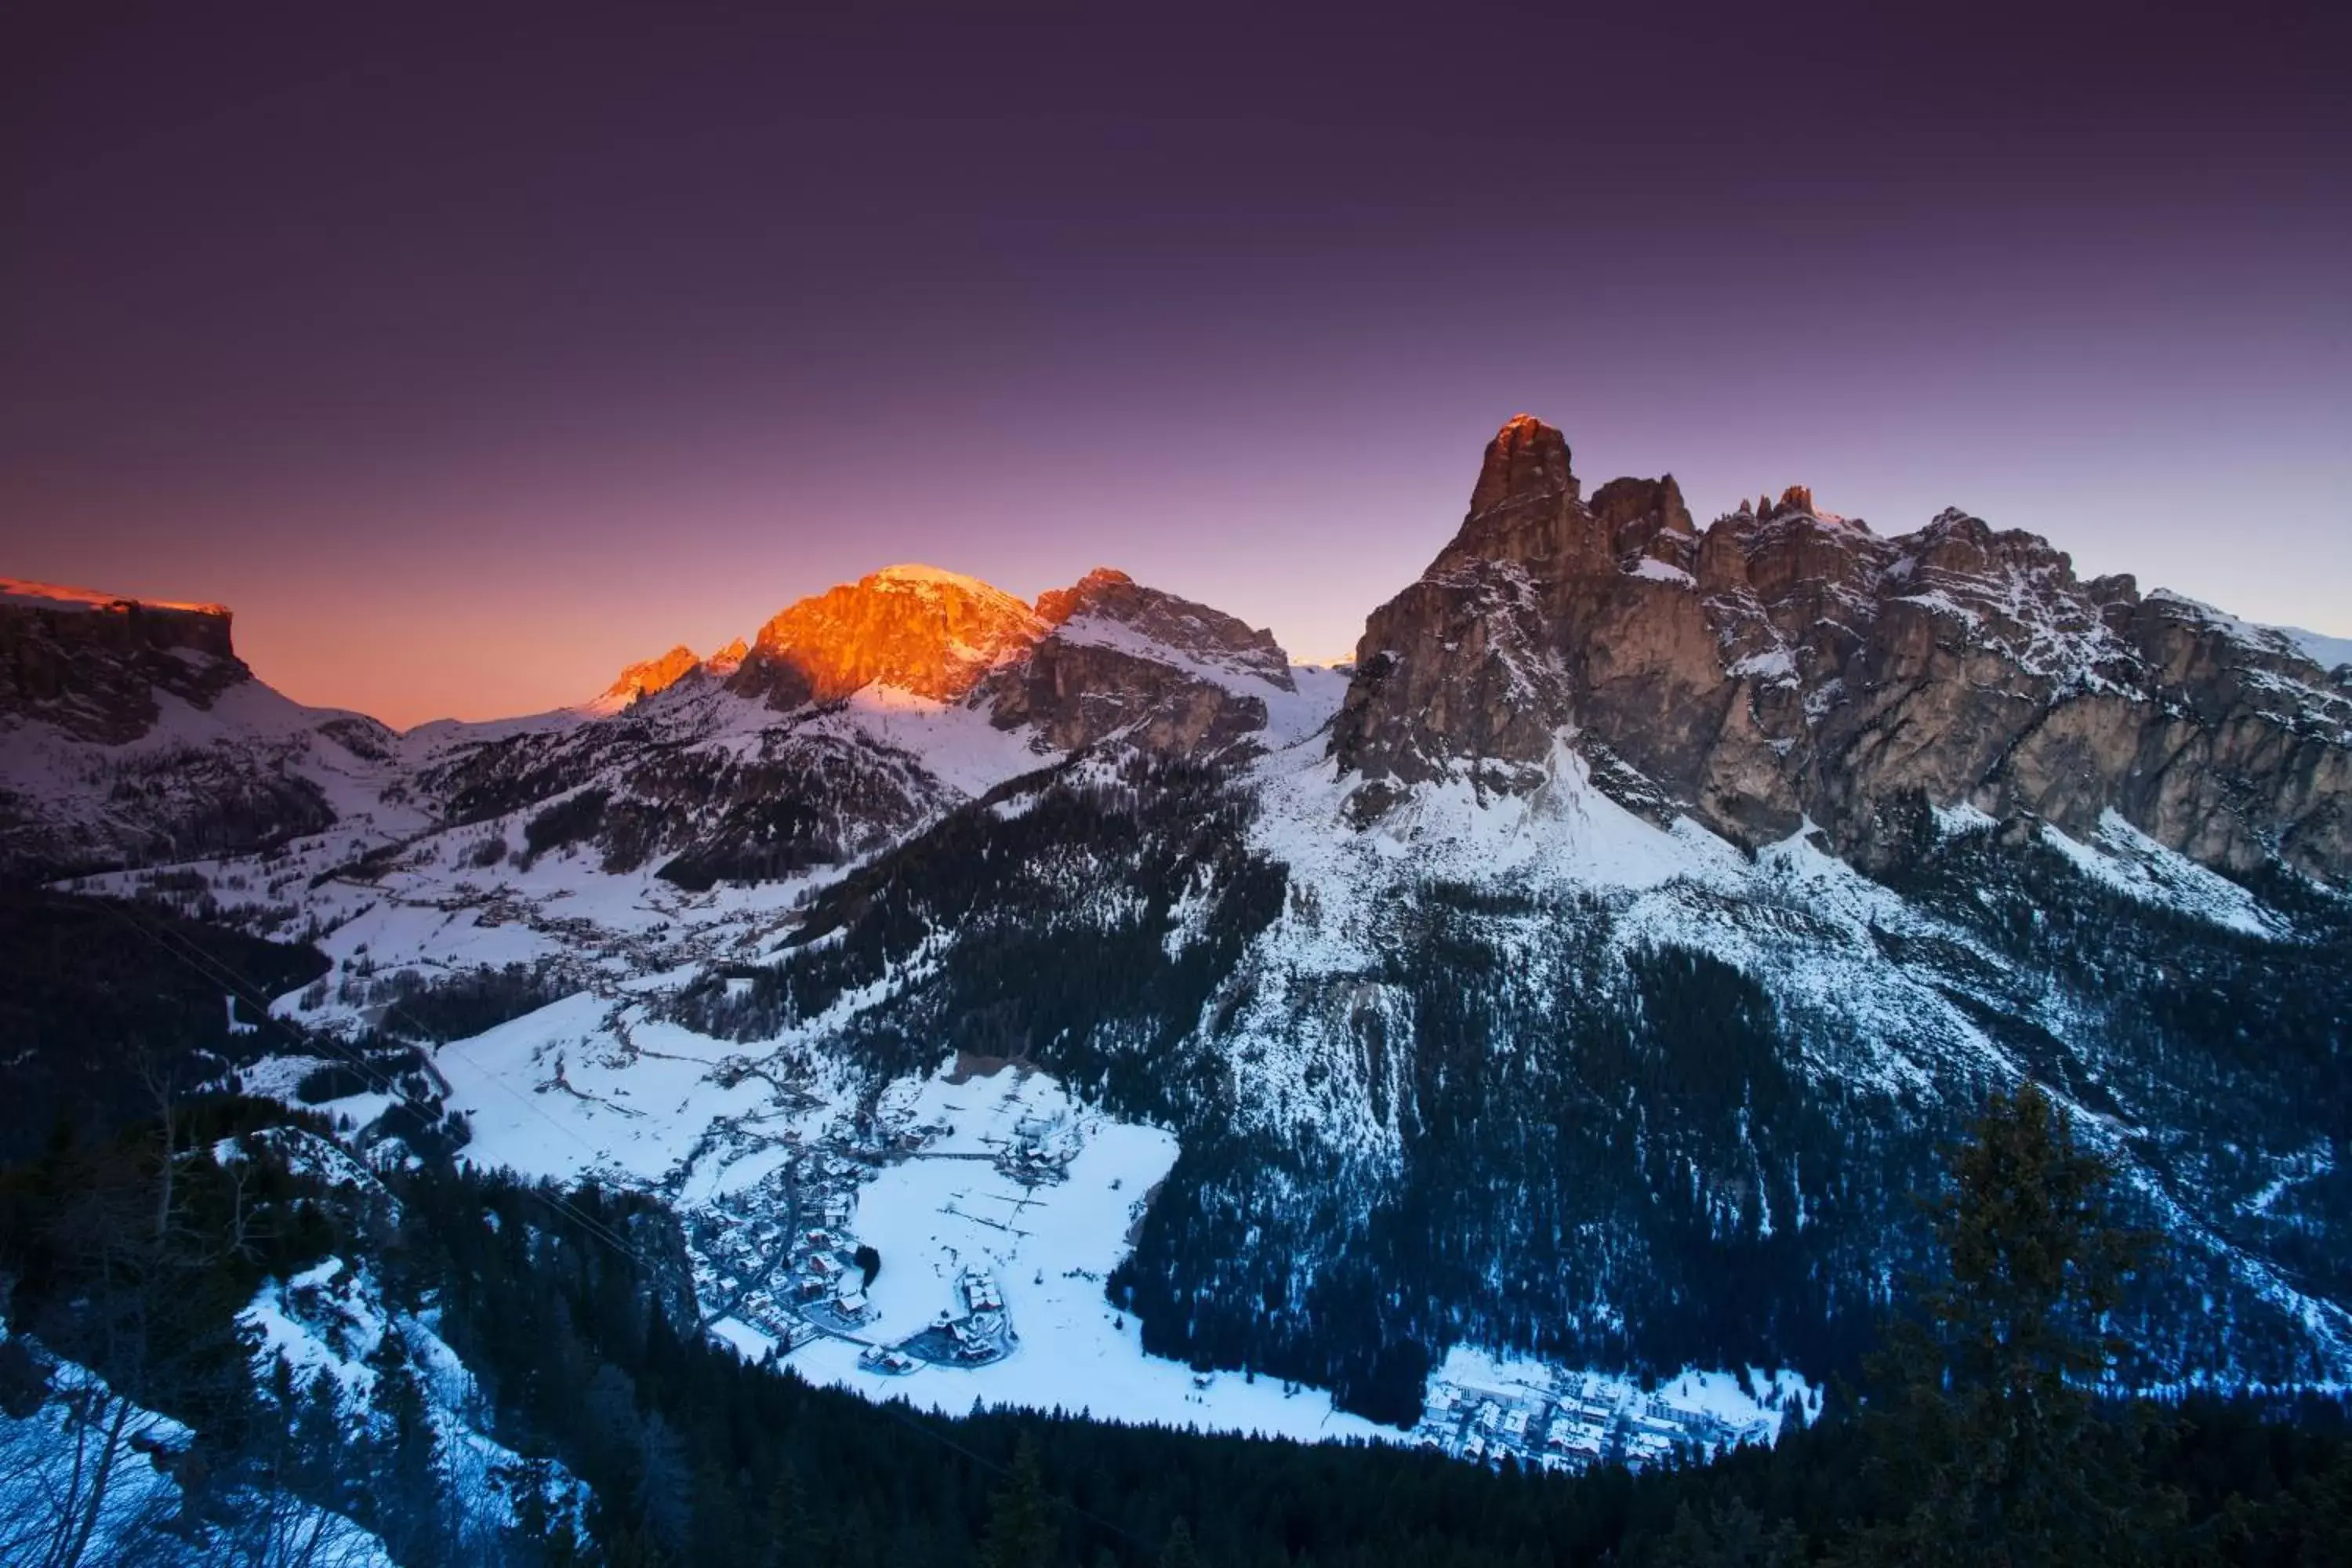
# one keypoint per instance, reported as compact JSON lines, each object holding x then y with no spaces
{"x":2329,"y":653}
{"x":252,"y":764}
{"x":49,"y":1455}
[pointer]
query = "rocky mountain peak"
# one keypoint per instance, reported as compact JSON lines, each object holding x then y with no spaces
{"x":1646,"y":520}
{"x":1107,"y":607}
{"x":1527,"y":465}
{"x":1105,"y":658}
{"x":1621,"y":503}
{"x":131,"y":733}
{"x":1102,"y":585}
{"x":934,"y":633}
{"x":91,"y":663}
{"x":649,"y":675}
{"x":1529,"y":505}
{"x":1790,"y":666}
{"x":1123,"y":659}
{"x":728,"y":659}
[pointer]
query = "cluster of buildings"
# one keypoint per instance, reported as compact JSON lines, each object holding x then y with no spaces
{"x":1041,"y":1149}
{"x":1570,"y":1421}
{"x":779,"y":1256}
{"x":828,"y":1284}
{"x":973,"y":1332}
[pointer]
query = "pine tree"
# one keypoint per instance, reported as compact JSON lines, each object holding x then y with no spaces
{"x":408,"y":1490}
{"x":1021,"y":1532}
{"x":1180,"y":1551}
{"x":791,"y":1535}
{"x":1991,"y":1448}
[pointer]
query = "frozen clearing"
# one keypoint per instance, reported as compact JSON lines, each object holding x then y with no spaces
{"x":557,"y":1093}
{"x":1049,"y":1247}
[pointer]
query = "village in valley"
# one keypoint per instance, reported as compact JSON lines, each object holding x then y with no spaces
{"x":781,"y":1258}
{"x":892,"y":1236}
{"x":1542,"y":1417}
{"x":946,"y":1238}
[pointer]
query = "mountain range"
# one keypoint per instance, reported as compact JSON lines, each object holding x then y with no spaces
{"x":1588,"y":973}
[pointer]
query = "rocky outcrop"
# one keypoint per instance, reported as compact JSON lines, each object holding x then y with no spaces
{"x":131,"y":733}
{"x":1109,"y":606}
{"x":91,"y":665}
{"x":1104,"y":659}
{"x":1080,"y":694}
{"x":1156,"y":671}
{"x":932,"y":633}
{"x":652,"y":675}
{"x":1788,"y":664}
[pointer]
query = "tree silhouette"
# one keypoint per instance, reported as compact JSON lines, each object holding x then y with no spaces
{"x":1993,"y":1446}
{"x":1020,"y":1532}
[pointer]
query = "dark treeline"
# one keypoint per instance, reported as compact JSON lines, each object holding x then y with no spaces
{"x":106,"y":1006}
{"x":432,"y":1009}
{"x":1977,"y":1442}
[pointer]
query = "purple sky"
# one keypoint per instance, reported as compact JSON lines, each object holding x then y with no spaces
{"x":471,"y":360}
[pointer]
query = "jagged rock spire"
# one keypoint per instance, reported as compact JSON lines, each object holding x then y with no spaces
{"x":1757,"y":677}
{"x":1527,"y":464}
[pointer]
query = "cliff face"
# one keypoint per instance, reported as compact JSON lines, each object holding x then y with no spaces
{"x":1788,"y":664}
{"x":1164,"y":673}
{"x":932,"y":632}
{"x":91,"y":665}
{"x":1106,"y":657}
{"x":131,"y":733}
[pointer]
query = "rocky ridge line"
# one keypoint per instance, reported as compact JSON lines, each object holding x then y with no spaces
{"x":1788,"y":665}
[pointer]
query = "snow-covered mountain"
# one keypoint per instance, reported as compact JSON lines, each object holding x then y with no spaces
{"x":132,"y":734}
{"x":1579,"y":983}
{"x":2329,"y":653}
{"x":135,"y":736}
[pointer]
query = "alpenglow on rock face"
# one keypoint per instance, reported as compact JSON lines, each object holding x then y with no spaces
{"x":130,"y":731}
{"x":861,"y":712}
{"x":649,"y":675}
{"x":917,"y":628}
{"x":1787,"y":664}
{"x":91,"y":664}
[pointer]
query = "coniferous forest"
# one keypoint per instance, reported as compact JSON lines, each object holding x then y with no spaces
{"x":1975,"y":1433}
{"x":145,"y":1212}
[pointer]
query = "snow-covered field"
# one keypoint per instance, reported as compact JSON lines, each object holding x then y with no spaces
{"x":588,"y":1086}
{"x":1049,"y":1247}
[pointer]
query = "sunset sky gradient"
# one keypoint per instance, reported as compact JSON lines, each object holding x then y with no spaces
{"x":472,"y":358}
